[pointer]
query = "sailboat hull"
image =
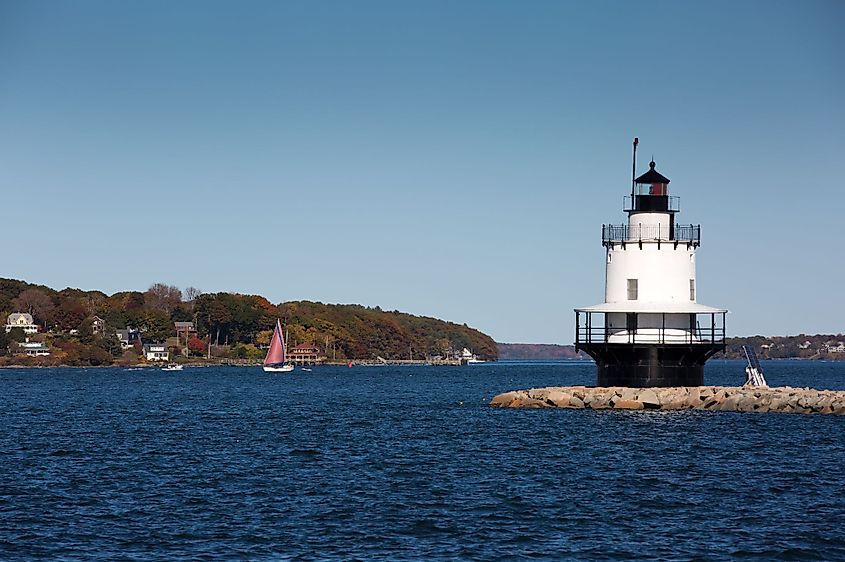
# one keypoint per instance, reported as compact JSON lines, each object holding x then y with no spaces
{"x":278,"y":369}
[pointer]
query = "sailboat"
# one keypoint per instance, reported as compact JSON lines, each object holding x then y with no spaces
{"x":275,"y":360}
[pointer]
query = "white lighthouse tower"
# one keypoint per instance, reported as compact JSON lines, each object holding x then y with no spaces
{"x":650,"y":330}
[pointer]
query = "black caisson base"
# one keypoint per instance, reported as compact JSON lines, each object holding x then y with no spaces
{"x":650,"y":365}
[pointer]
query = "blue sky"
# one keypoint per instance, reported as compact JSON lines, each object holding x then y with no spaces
{"x":448,"y":159}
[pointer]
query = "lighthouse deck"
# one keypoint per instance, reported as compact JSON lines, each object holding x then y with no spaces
{"x":647,"y":324}
{"x":651,"y":307}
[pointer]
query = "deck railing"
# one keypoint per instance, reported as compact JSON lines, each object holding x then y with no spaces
{"x":645,"y":202}
{"x":621,"y":233}
{"x":591,"y":329}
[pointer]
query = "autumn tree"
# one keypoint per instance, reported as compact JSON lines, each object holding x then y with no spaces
{"x":133,"y":301}
{"x":196,"y":345}
{"x":263,"y":337}
{"x":37,"y":303}
{"x":9,"y":291}
{"x":163,"y":297}
{"x":70,"y":314}
{"x":190,"y":294}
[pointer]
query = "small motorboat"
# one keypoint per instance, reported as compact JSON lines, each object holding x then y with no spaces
{"x":172,"y":367}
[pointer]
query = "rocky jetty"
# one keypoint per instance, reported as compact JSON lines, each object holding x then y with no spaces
{"x":711,"y":398}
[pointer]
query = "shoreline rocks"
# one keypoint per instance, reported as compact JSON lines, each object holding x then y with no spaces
{"x":783,"y":399}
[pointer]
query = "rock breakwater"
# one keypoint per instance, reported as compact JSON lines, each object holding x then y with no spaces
{"x":711,"y":398}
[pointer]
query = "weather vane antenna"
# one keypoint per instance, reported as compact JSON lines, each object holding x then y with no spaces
{"x":634,"y":167}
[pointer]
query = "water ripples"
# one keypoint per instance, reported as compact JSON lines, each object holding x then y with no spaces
{"x":374,"y":464}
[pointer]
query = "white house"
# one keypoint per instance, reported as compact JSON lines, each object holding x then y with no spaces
{"x":836,"y":347}
{"x":156,"y":352}
{"x":34,"y":349}
{"x":21,"y":320}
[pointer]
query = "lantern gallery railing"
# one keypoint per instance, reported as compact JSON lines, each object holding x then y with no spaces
{"x":623,"y":233}
{"x":706,"y":329}
{"x":645,"y":202}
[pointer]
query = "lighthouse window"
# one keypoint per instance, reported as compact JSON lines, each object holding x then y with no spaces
{"x":692,"y":289}
{"x":632,"y":289}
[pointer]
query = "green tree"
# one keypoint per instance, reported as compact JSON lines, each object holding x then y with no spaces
{"x":16,"y":335}
{"x":156,"y":325}
{"x":181,"y":314}
{"x":94,"y":355}
{"x":108,"y":342}
{"x":85,"y":330}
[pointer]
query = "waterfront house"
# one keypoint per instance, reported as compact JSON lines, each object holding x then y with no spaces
{"x":21,"y":320}
{"x":34,"y":349}
{"x":305,"y":354}
{"x":836,"y":347}
{"x":98,"y":325}
{"x":156,"y":352}
{"x":185,"y":330}
{"x":128,"y":337}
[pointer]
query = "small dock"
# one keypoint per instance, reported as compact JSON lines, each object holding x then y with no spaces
{"x":380,"y":362}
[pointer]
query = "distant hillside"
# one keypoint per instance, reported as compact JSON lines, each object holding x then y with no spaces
{"x":830,"y":347}
{"x":365,"y":333}
{"x":515,"y":351}
{"x":228,"y":326}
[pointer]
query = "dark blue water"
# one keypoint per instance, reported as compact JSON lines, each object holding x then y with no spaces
{"x":402,"y":464}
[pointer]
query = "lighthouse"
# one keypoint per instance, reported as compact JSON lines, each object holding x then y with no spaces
{"x":650,"y":330}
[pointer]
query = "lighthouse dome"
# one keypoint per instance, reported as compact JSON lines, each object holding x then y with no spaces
{"x":652,"y":176}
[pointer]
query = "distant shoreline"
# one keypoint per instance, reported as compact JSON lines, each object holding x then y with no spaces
{"x":818,"y":347}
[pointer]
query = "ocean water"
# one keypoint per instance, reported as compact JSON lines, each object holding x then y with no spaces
{"x":405,"y":463}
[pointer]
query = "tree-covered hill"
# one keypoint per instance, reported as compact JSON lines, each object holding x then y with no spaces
{"x":829,"y":347}
{"x":234,"y":325}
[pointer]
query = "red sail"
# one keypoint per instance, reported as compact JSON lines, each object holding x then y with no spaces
{"x":276,"y":353}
